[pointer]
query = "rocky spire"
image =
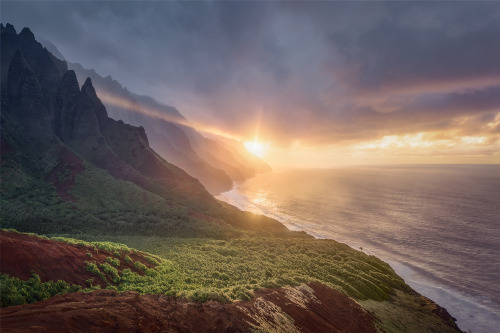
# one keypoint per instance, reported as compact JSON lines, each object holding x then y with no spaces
{"x":68,"y":85}
{"x":88,"y":88}
{"x":26,"y":34}
{"x":66,"y":96}
{"x":89,"y":93}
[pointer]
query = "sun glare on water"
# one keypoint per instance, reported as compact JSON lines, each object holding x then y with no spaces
{"x":256,"y":148}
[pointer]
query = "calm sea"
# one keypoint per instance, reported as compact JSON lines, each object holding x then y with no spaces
{"x":438,"y":226}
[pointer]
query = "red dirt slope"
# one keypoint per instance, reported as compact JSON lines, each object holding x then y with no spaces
{"x":308,"y":308}
{"x":51,"y":260}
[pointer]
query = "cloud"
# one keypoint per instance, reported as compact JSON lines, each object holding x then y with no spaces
{"x":321,"y":73}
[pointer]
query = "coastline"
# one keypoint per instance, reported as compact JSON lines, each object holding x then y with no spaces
{"x":472,"y":316}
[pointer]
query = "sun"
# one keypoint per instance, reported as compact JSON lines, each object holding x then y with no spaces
{"x":256,"y":148}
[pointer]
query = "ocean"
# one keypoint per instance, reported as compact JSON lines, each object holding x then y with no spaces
{"x":438,"y":226}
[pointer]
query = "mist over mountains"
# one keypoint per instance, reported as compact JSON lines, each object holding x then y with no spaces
{"x":216,"y":162}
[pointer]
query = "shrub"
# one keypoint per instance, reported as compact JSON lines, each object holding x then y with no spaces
{"x":140,"y":266}
{"x":113,"y":261}
{"x":152,"y":260}
{"x":14,"y":291}
{"x":93,"y":269}
{"x":202,"y":296}
{"x":111,"y":271}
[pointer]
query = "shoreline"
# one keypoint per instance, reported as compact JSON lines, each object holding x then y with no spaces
{"x":471,"y":315}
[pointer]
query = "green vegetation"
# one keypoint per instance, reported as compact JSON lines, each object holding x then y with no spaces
{"x":113,"y":261}
{"x":99,"y":204}
{"x":92,"y":268}
{"x":203,"y":269}
{"x":140,"y":266}
{"x":15,"y":292}
{"x":111,"y":272}
{"x":107,"y":206}
{"x":408,"y":312}
{"x":104,"y":206}
{"x":234,"y":269}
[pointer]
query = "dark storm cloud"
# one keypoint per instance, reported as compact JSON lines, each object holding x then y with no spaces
{"x":320,"y":72}
{"x":400,"y":51}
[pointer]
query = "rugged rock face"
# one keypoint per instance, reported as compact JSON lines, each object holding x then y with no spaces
{"x":55,"y":112}
{"x":47,"y":68}
{"x":65,"y":97}
{"x":25,"y":96}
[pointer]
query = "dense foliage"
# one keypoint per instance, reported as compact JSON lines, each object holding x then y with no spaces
{"x":14,"y":291}
{"x":234,"y":269}
{"x":105,"y":205}
{"x":203,"y":269}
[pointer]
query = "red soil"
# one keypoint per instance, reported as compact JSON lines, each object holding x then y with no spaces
{"x":332,"y":311}
{"x":63,"y":175}
{"x":51,"y":260}
{"x":109,"y":311}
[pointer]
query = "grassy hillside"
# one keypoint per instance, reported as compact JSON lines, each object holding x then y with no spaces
{"x":207,"y":269}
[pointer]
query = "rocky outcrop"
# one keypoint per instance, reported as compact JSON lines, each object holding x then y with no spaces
{"x":47,"y":68}
{"x":7,"y":29}
{"x":64,"y":102}
{"x":89,"y":99}
{"x":25,"y":96}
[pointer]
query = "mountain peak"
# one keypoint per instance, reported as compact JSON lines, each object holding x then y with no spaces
{"x":26,"y":34}
{"x":88,"y":88}
{"x":69,"y":84}
{"x":90,"y":94}
{"x":8,"y":29}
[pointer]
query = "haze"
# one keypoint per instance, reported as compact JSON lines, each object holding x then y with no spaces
{"x":313,"y":84}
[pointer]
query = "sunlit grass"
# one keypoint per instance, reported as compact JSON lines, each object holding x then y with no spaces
{"x":230,"y":270}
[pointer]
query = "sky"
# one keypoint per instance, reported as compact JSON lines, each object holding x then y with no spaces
{"x":318,"y":83}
